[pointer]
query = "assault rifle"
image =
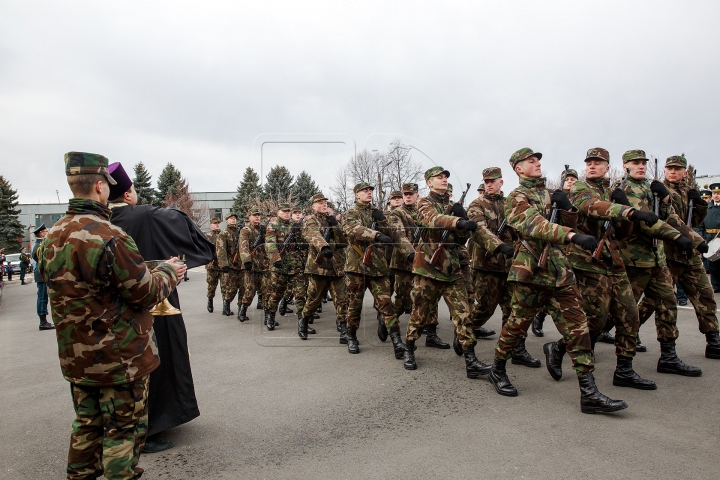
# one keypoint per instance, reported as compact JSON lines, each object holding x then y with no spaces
{"x":607,"y":227}
{"x":259,"y":240}
{"x":657,"y":202}
{"x":327,"y":233}
{"x":542,"y":261}
{"x":692,"y":172}
{"x":289,"y":240}
{"x":501,"y":228}
{"x":443,"y":238}
{"x":367,"y":257}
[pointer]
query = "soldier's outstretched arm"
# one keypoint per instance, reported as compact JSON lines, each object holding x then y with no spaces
{"x":399,"y":236}
{"x":245,"y":246}
{"x":428,"y":217}
{"x":355,"y":230}
{"x":483,"y":236}
{"x":271,"y":241}
{"x":587,"y":203}
{"x":311,"y":234}
{"x":529,"y":222}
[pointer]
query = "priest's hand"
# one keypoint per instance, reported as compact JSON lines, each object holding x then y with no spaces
{"x":180,"y":268}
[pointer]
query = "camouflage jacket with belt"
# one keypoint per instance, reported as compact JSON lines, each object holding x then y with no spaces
{"x":406,"y":216}
{"x":212,"y":236}
{"x":314,"y":227}
{"x":489,"y":212}
{"x":226,"y":247}
{"x":277,"y":232}
{"x":248,"y":236}
{"x":681,"y":204}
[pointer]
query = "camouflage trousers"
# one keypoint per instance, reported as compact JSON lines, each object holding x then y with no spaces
{"x":318,"y":286}
{"x":403,"y":287}
{"x":299,"y":291}
{"x":608,"y":301}
{"x":692,"y":279}
{"x":233,"y":283}
{"x":379,"y":287}
{"x":426,"y":294}
{"x":278,"y":287}
{"x":565,"y":306}
{"x":256,"y":282}
{"x":213,"y":277}
{"x":490,"y":290}
{"x":657,"y":284}
{"x":109,"y":429}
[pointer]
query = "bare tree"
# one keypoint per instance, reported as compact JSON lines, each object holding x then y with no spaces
{"x":342,"y":192}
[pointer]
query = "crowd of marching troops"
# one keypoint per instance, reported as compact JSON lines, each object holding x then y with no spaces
{"x":591,"y":255}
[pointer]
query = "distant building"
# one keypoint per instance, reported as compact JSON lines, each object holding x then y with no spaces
{"x":704,"y":181}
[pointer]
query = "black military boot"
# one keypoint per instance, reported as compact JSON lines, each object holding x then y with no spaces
{"x":325,"y":298}
{"x":343,"y":333}
{"x":432,"y":339}
{"x":242,"y":313}
{"x":319,"y":309}
{"x":474,"y":367}
{"x":592,"y":401}
{"x":381,"y":329}
{"x":606,"y":337}
{"x":226,"y":308}
{"x":288,"y":309}
{"x":520,"y":356}
{"x":409,"y":356}
{"x":352,"y":342}
{"x":499,"y":379}
{"x":398,"y":345}
{"x":456,"y":345}
{"x":670,"y":363}
{"x":640,"y":346}
{"x":44,"y":324}
{"x":482,"y":332}
{"x":314,"y":317}
{"x":537,"y":324}
{"x":210,"y":305}
{"x":554,"y":353}
{"x":625,"y":376}
{"x":259,"y":305}
{"x":282,"y":306}
{"x":337,"y":324}
{"x":712,"y":349}
{"x":302,"y":327}
{"x":270,"y":320}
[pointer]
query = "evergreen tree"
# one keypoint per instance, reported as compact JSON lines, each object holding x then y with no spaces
{"x":167,"y":183}
{"x":248,"y":190}
{"x":279,"y":184}
{"x":11,"y":230}
{"x":303,"y":189}
{"x":143,"y":185}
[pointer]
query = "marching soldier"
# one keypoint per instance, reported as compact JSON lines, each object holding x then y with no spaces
{"x":213,"y":272}
{"x":226,"y":249}
{"x":400,"y":267}
{"x":366,"y":266}
{"x":337,"y":288}
{"x":645,"y":259}
{"x":687,"y":269}
{"x":551,"y":284}
{"x":254,"y":260}
{"x":711,"y":231}
{"x":283,"y":261}
{"x":444,"y":277}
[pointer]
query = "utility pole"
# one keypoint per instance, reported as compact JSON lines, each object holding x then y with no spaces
{"x":58,"y":195}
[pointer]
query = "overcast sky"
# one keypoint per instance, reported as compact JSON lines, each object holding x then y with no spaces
{"x":468,"y":83}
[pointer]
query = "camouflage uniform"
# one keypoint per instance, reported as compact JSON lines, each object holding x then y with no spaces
{"x":401,"y":268}
{"x":226,"y":248}
{"x":282,"y":266}
{"x":213,"y":271}
{"x":256,"y":279}
{"x":100,"y":295}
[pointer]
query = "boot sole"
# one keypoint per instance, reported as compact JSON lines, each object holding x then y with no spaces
{"x":712,"y":356}
{"x":546,"y":349}
{"x":411,"y":367}
{"x":354,"y":352}
{"x":636,"y":386}
{"x":475,"y":375}
{"x":592,"y":410}
{"x":677,"y":372}
{"x":538,"y":334}
{"x":503,"y":393}
{"x":441,"y":347}
{"x":530,"y":365}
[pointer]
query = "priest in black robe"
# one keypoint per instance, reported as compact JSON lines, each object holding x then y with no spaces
{"x":162,"y":233}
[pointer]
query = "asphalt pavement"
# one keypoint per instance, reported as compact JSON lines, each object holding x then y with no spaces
{"x":273,"y":406}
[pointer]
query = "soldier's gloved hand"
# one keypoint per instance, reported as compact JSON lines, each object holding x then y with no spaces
{"x":467,"y":225}
{"x":384,"y":239}
{"x":561,"y":199}
{"x":248,"y":265}
{"x":327,"y":252}
{"x":684,"y":244}
{"x":649,"y":218}
{"x":225,"y":269}
{"x":659,"y":187}
{"x":694,"y":195}
{"x":457,"y":210}
{"x":618,"y":196}
{"x":586,"y":242}
{"x":378,"y":215}
{"x":278,"y":264}
{"x":506,"y":250}
{"x":332,"y":221}
{"x":703,"y":248}
{"x":411,"y":257}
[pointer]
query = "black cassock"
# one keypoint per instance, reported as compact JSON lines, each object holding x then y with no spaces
{"x":162,"y":233}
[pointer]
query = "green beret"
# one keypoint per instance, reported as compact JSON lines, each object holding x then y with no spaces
{"x":81,"y":163}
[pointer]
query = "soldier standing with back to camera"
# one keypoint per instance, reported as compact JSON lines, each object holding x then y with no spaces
{"x":227,"y":251}
{"x":551,"y":285}
{"x":213,"y":273}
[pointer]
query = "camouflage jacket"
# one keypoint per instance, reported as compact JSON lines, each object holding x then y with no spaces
{"x":433,"y":220}
{"x":681,"y":205}
{"x":226,"y":247}
{"x":100,"y":292}
{"x":314,"y":227}
{"x":248,"y":236}
{"x":592,"y":199}
{"x":356,"y":224}
{"x":527,"y":210}
{"x":637,"y":249}
{"x":489,"y":212}
{"x":406,"y":216}
{"x":277,"y":232}
{"x":212,"y":236}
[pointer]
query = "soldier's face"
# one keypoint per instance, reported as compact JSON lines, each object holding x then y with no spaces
{"x":364,"y":195}
{"x":493,"y":186}
{"x":320,"y":207}
{"x":296,"y":216}
{"x":716,"y":196}
{"x":569,"y":182}
{"x":396,"y":202}
{"x":529,"y":168}
{"x":481,"y":193}
{"x":638,"y":168}
{"x":438,"y":183}
{"x":595,"y":168}
{"x":230,"y":221}
{"x":254,"y":218}
{"x":675,"y":174}
{"x":410,"y":198}
{"x":215,"y":226}
{"x":284,"y":214}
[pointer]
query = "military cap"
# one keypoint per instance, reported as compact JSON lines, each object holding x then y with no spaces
{"x":410,"y":188}
{"x":284,"y":206}
{"x":297,"y":208}
{"x":571,"y":173}
{"x":435,"y":171}
{"x":523,"y":154}
{"x":481,"y":188}
{"x":631,"y":155}
{"x":230,"y":214}
{"x":331,"y":205}
{"x":123,"y":180}
{"x":81,"y":163}
{"x":449,"y":188}
{"x":598,"y":153}
{"x":715,"y":187}
{"x":491,"y":173}
{"x":396,"y":194}
{"x":214,"y":220}
{"x":705,"y":193}
{"x":39,"y":229}
{"x":362,"y":186}
{"x":318,"y":197}
{"x":676,"y":161}
{"x":254,"y":211}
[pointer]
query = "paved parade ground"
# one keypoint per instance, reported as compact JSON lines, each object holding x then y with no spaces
{"x":273,"y":406}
